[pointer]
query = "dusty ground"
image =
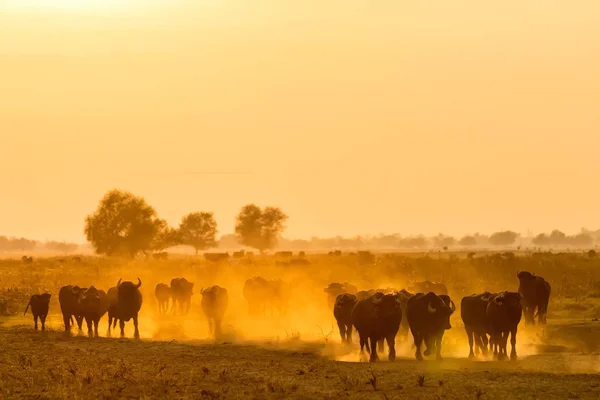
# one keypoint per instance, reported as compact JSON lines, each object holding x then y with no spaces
{"x":51,"y":365}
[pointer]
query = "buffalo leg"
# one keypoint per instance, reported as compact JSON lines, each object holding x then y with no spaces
{"x":79,"y":320}
{"x":96,"y":323}
{"x":418,"y":340}
{"x":429,"y":345}
{"x":43,"y":319}
{"x":374,"y":356}
{"x":122,"y":326}
{"x":136,"y":333}
{"x":438,"y":345}
{"x":342,"y":328}
{"x":35,"y":322}
{"x":484,"y":344}
{"x":67,"y":321}
{"x":88,"y":321}
{"x":391,"y":342}
{"x":110,"y":321}
{"x":470,"y":335}
{"x":513,"y":344}
{"x":349,"y":334}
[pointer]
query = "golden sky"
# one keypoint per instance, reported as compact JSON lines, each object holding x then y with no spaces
{"x":353,"y":116}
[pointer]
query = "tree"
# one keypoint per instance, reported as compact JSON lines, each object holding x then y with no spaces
{"x":541,"y":240}
{"x":165,"y":237}
{"x":442,"y":240}
{"x":468,"y":241}
{"x":123,"y":224}
{"x":505,"y":238}
{"x":258,"y":228}
{"x":199,"y":230}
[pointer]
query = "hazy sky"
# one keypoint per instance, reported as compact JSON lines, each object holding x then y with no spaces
{"x":353,"y":116}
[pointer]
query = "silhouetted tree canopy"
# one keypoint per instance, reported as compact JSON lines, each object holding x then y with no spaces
{"x":442,"y":240}
{"x":558,"y":238}
{"x":16,"y":244}
{"x":123,"y":224}
{"x":165,"y":237}
{"x":258,"y":228}
{"x":468,"y":241}
{"x":199,"y":230}
{"x":505,"y":238}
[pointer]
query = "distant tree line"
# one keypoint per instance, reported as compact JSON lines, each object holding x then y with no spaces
{"x":125,"y":224}
{"x":9,"y":244}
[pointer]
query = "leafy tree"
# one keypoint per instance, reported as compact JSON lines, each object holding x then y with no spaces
{"x":123,"y":224}
{"x":258,"y":228}
{"x":505,"y":238}
{"x":199,"y":230}
{"x":165,"y":237}
{"x":557,"y":237}
{"x":541,"y":240}
{"x":442,"y":240}
{"x":581,"y":239}
{"x":468,"y":241}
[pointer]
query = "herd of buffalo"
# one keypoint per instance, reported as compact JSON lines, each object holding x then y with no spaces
{"x":379,"y":316}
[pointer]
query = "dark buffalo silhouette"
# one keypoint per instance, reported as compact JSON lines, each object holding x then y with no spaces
{"x":182,"y":291}
{"x":215,"y":301}
{"x":334,"y":289}
{"x":503,"y":316}
{"x":68,"y":297}
{"x":378,"y":318}
{"x":239,"y":254}
{"x":473,"y":313}
{"x":428,"y":286}
{"x":342,"y":311}
{"x":94,"y":304}
{"x":216,"y":257}
{"x":129,"y":303}
{"x":40,"y":303}
{"x":163,"y":295}
{"x":536,"y":294}
{"x":364,"y":294}
{"x":265,"y":296}
{"x":428,"y":318}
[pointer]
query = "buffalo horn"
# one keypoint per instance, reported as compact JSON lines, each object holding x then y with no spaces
{"x":431,"y":309}
{"x":377,"y":300}
{"x":119,"y":283}
{"x":452,"y":306}
{"x":139,"y":283}
{"x":485,"y":299}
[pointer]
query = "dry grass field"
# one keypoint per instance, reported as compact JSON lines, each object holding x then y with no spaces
{"x":300,"y":355}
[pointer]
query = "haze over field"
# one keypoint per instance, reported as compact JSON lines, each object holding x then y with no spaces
{"x":354,"y":117}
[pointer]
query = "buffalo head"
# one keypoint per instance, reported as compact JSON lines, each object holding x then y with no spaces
{"x":442,"y":307}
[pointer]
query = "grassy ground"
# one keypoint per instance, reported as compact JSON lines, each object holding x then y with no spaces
{"x":299,"y":355}
{"x":52,"y":365}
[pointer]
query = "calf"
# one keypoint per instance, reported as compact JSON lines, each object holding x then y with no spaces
{"x":39,"y":308}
